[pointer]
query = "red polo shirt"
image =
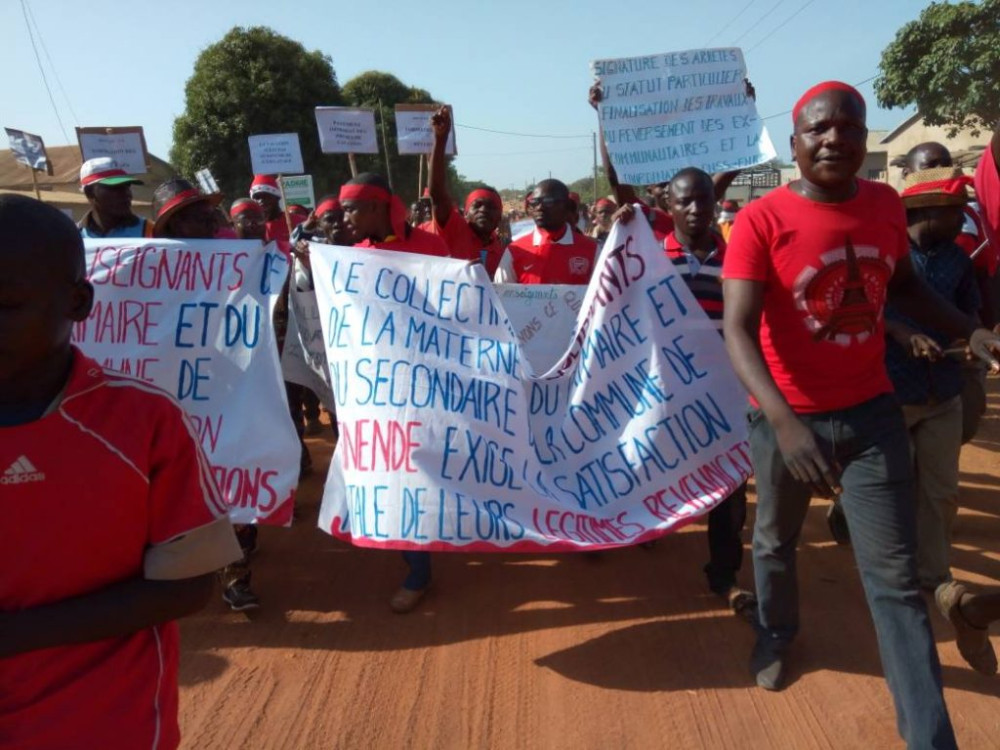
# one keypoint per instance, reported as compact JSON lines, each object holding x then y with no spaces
{"x":541,"y":257}
{"x":419,"y":241}
{"x":110,"y":484}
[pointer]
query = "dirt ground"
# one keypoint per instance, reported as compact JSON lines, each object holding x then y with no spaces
{"x":627,"y":650}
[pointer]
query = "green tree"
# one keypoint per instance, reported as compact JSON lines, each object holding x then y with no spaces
{"x":250,"y":82}
{"x":382,"y":92}
{"x":585,"y":187}
{"x":947,"y":64}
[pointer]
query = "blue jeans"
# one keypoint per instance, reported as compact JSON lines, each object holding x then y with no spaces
{"x":871,"y":446}
{"x":419,"y":576}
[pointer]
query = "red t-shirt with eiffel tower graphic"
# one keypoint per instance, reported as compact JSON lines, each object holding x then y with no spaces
{"x":825,"y":267}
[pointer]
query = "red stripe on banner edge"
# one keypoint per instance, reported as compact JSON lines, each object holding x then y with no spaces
{"x":523,"y":547}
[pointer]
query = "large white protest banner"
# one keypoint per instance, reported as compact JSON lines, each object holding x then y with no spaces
{"x":661,"y":113}
{"x":276,"y":153}
{"x":451,"y":439}
{"x":126,"y":145}
{"x":543,"y":317}
{"x":413,"y":129}
{"x":194,"y":318}
{"x":303,"y":359}
{"x":346,"y":130}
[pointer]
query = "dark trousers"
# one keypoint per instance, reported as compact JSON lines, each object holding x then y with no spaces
{"x":725,"y":543}
{"x":419,"y":576}
{"x":870,"y":444}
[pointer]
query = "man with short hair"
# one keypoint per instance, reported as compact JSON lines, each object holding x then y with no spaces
{"x":807,"y":275}
{"x":376,"y":219}
{"x":265,"y":191}
{"x":248,"y":219}
{"x":112,"y":522}
{"x":553,"y":253}
{"x":108,"y":190}
{"x":472,"y":236}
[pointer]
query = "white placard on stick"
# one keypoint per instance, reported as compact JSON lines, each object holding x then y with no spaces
{"x":413,"y":129}
{"x":299,"y":190}
{"x":662,"y":113}
{"x":277,"y":153}
{"x":346,"y":130}
{"x":127,"y":145}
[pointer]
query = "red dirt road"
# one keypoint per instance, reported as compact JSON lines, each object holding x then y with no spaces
{"x":563,"y":651}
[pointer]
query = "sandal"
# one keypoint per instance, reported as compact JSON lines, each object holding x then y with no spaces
{"x":973,"y":643}
{"x":743,"y":604}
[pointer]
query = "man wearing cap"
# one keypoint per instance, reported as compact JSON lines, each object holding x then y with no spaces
{"x":553,"y":253}
{"x":604,"y":209}
{"x":182,"y":212}
{"x":927,"y":383}
{"x":806,"y":277}
{"x":264,"y":189}
{"x":472,"y":236}
{"x":108,"y":191}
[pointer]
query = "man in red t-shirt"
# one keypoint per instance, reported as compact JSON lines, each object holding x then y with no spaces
{"x":807,"y":273}
{"x":376,"y":217}
{"x":472,"y":236}
{"x":88,"y":646}
{"x":553,"y":253}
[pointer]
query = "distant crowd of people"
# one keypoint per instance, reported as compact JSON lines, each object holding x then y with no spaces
{"x":860,"y":320}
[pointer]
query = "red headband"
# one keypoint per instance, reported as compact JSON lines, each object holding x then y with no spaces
{"x":605,"y":202}
{"x":952,"y":186}
{"x":397,"y":211}
{"x":178,"y":199}
{"x":821,"y":88}
{"x":102,"y":175}
{"x":241,"y":207}
{"x":330,"y":204}
{"x":483,"y":194}
{"x":365,"y":193}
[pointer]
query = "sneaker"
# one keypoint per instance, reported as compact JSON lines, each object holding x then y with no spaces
{"x":239,"y":597}
{"x":767,"y":664}
{"x":314,"y":427}
{"x":837,"y":522}
{"x":743,"y":603}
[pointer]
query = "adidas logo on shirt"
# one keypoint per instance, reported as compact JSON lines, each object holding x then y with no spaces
{"x":22,"y":471}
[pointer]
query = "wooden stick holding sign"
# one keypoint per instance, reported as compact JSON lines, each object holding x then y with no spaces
{"x":354,"y":165}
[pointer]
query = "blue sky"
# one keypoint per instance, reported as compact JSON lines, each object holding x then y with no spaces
{"x":514,"y":66}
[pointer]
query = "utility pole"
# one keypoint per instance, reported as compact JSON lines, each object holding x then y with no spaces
{"x":593,"y":139}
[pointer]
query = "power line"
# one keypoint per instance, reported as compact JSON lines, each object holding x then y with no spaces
{"x":41,"y":70}
{"x":52,"y":66}
{"x":732,"y":20}
{"x":780,"y":26}
{"x":759,"y":21}
{"x":528,"y":153}
{"x":521,"y":135}
{"x":788,"y":111}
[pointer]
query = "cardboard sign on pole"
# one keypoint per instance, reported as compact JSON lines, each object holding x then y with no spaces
{"x":126,"y":145}
{"x":29,"y":150}
{"x":346,"y":130}
{"x":299,"y":189}
{"x":207,"y":181}
{"x":413,"y":129}
{"x":276,"y":153}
